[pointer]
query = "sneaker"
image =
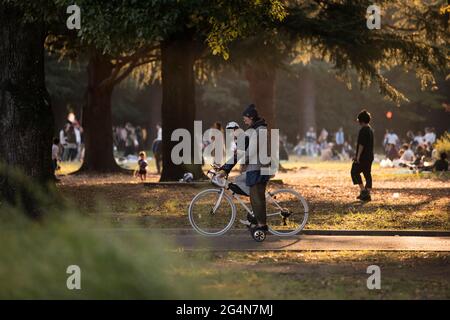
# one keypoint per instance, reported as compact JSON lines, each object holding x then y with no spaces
{"x":247,"y":223}
{"x":251,"y":219}
{"x":361,"y":194}
{"x":250,"y":222}
{"x":365,"y":196}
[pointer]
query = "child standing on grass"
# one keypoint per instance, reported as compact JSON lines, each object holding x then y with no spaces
{"x":142,"y":163}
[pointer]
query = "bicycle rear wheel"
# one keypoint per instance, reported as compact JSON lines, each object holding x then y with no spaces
{"x":212,"y":212}
{"x":287,"y":212}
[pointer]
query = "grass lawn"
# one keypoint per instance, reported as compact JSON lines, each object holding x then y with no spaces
{"x":139,"y":265}
{"x":401,"y":200}
{"x":322,"y":275}
{"x":144,"y":265}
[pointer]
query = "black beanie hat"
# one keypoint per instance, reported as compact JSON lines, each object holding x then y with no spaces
{"x":250,"y":112}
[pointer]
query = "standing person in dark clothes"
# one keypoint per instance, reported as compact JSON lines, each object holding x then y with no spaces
{"x":254,"y":179}
{"x":362,"y":162}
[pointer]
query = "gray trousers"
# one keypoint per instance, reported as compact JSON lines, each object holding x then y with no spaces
{"x":258,"y":201}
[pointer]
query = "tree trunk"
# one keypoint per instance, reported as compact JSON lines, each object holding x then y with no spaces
{"x":155,"y":102}
{"x":261,"y":82}
{"x":307,"y":110}
{"x":178,"y":103}
{"x":26,"y":121}
{"x":97,"y":118}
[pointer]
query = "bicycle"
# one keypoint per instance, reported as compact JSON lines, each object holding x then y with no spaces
{"x":212,"y":212}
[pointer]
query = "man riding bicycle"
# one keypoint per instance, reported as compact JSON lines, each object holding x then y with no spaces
{"x":253,"y":177}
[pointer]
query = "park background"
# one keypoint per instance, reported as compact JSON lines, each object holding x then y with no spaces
{"x":100,"y":73}
{"x":303,"y":96}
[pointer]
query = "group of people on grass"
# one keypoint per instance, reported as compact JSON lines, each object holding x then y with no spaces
{"x":129,"y":139}
{"x":416,"y":151}
{"x":252,"y":176}
{"x":334,"y":148}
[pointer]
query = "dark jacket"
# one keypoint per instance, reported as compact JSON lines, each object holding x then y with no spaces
{"x":252,"y":170}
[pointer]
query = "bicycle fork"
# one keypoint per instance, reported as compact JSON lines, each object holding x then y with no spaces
{"x":219,"y":200}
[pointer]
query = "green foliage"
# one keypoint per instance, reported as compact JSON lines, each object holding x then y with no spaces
{"x":413,"y":35}
{"x":23,"y":195}
{"x":34,"y":11}
{"x":443,"y":143}
{"x":118,"y":26}
{"x":241,"y":21}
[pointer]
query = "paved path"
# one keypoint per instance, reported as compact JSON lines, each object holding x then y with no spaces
{"x":244,"y":242}
{"x":240,"y":240}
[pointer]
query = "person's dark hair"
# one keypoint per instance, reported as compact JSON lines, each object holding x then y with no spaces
{"x":443,"y":155}
{"x":364,"y":116}
{"x":55,"y":140}
{"x":251,"y":112}
{"x":405,"y":146}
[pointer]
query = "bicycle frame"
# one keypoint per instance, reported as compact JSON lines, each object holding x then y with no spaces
{"x":222,"y":185}
{"x":242,"y":203}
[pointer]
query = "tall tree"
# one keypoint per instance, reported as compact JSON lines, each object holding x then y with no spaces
{"x":262,"y":90}
{"x":119,"y":27}
{"x":114,"y":44}
{"x":178,"y":100}
{"x":26,"y":121}
{"x":185,"y":30}
{"x":104,"y":74}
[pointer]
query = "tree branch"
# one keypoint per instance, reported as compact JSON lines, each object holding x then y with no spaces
{"x":130,"y":68}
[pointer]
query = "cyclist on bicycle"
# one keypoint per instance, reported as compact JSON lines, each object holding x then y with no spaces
{"x":253,"y":177}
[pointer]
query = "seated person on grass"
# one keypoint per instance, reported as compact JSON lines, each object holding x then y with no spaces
{"x":441,"y":164}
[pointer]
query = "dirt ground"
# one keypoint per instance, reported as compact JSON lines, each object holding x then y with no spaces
{"x":401,"y":200}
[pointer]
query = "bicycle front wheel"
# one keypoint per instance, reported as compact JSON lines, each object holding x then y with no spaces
{"x":212,"y":212}
{"x":287,"y":212}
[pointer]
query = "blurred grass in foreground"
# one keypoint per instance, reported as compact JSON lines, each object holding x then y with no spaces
{"x":119,"y":264}
{"x":35,"y":254}
{"x":34,"y":259}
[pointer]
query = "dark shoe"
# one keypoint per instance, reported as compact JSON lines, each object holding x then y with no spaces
{"x":361,"y":194}
{"x":251,"y":219}
{"x":250,"y":222}
{"x":365,"y":196}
